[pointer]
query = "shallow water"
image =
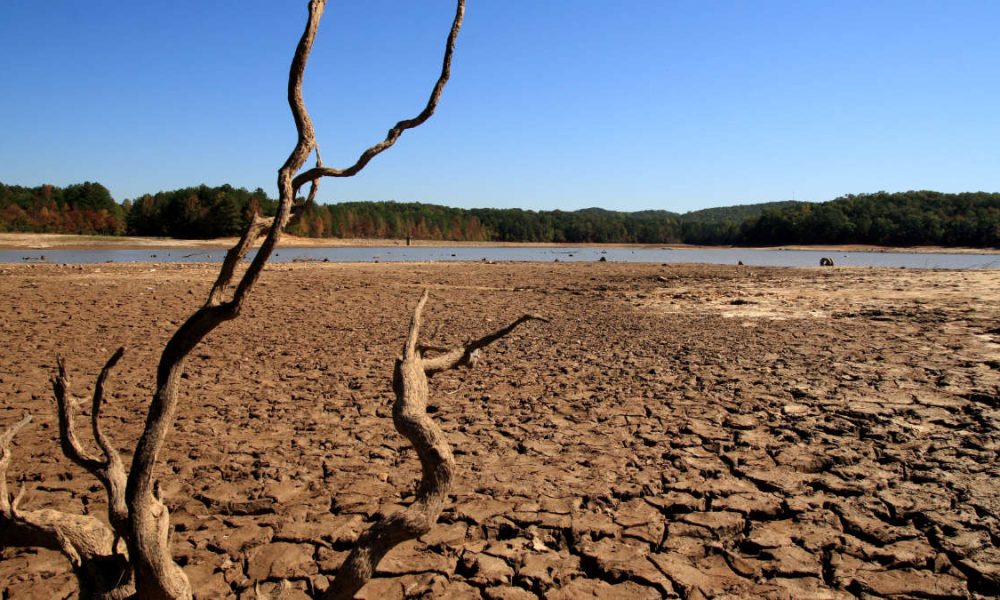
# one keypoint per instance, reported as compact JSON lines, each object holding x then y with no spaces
{"x":750,"y":257}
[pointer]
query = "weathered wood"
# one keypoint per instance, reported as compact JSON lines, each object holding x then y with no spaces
{"x":437,"y":465}
{"x":136,"y":512}
{"x":101,"y":569}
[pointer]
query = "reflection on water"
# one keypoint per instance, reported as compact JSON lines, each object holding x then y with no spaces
{"x":724,"y":256}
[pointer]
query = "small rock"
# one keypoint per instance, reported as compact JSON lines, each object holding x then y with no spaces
{"x":794,"y":410}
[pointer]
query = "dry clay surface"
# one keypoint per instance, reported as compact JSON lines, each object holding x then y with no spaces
{"x":681,"y":431}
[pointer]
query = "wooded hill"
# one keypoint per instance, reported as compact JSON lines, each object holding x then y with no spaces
{"x":897,"y":219}
{"x":84,"y":208}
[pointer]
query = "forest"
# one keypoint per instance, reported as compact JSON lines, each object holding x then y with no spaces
{"x":913,"y":218}
{"x":83,"y":208}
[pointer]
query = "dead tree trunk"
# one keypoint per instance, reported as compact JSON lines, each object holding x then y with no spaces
{"x":437,"y":465}
{"x":136,"y":513}
{"x":92,"y":548}
{"x":157,"y":576}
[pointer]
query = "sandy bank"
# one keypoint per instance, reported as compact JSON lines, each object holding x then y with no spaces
{"x":11,"y":241}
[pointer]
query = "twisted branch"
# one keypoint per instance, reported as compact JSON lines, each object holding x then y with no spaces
{"x":89,"y":544}
{"x":6,"y":505}
{"x":398,"y":129}
{"x":257,"y":227}
{"x":137,"y":514}
{"x":157,"y":575}
{"x":109,"y":470}
{"x":409,"y":415}
{"x":467,"y":355}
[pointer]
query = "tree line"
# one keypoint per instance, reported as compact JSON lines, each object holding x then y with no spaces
{"x":399,"y":220}
{"x":388,"y":220}
{"x":196,"y":212}
{"x":891,"y":219}
{"x":88,"y":209}
{"x":84,"y":208}
{"x":903,"y":219}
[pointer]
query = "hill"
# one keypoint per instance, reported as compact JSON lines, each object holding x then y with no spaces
{"x":737,"y":213}
{"x":889,"y":219}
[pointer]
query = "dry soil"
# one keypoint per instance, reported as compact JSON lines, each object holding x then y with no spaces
{"x":681,"y":431}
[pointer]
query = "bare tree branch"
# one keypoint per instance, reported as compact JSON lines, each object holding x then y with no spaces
{"x":5,"y":455}
{"x":314,"y":187}
{"x":67,"y":433}
{"x":157,"y":575}
{"x":410,"y":348}
{"x":98,"y":401}
{"x":400,"y":127}
{"x":466,"y":355}
{"x":409,"y":415}
{"x":140,"y":517}
{"x":89,"y":544}
{"x":257,"y":227}
{"x":109,"y":470}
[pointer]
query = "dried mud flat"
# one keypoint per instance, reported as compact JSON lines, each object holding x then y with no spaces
{"x":693,"y":432}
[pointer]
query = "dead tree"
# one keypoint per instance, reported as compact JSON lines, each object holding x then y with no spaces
{"x":95,"y":551}
{"x":131,"y":557}
{"x":409,"y":415}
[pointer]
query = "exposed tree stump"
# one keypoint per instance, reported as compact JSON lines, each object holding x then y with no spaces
{"x":409,"y":415}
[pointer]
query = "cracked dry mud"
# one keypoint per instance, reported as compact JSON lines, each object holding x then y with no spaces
{"x":681,"y":431}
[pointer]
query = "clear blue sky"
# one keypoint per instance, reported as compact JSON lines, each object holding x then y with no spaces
{"x":552,"y":104}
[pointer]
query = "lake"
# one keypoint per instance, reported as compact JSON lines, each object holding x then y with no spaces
{"x":731,"y":256}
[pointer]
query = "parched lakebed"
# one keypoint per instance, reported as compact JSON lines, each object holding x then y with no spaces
{"x":673,"y":431}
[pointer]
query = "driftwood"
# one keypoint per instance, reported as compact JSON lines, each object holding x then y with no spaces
{"x":135,"y":549}
{"x":409,"y":415}
{"x":93,"y":549}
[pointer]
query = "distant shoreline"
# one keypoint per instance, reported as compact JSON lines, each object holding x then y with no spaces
{"x":41,"y":241}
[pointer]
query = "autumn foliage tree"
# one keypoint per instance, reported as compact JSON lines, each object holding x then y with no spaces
{"x":83,"y":208}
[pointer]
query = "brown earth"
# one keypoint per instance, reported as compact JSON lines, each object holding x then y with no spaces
{"x":691,"y":431}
